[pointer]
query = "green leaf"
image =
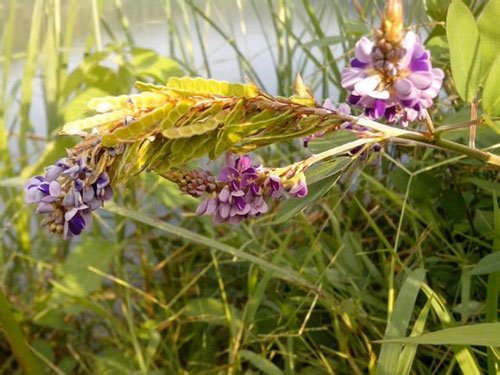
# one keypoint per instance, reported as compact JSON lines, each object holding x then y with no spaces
{"x":146,"y":63}
{"x":489,"y":264}
{"x":331,"y":140}
{"x":263,"y":364}
{"x":489,"y":33}
{"x":491,"y":92}
{"x":320,"y":171}
{"x":483,"y":334}
{"x":209,"y":310}
{"x":490,"y":186}
{"x":295,"y":205}
{"x":463,"y":39}
{"x":437,"y":8}
{"x":398,"y":322}
{"x":75,"y":274}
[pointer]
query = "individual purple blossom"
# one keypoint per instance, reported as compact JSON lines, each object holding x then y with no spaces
{"x":299,"y":189}
{"x":67,"y":194}
{"x":392,"y":81}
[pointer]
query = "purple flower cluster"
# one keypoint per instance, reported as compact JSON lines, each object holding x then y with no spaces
{"x":67,"y":194}
{"x":243,"y":190}
{"x":392,"y":80}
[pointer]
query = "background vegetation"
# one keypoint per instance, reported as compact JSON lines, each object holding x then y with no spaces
{"x":402,"y":244}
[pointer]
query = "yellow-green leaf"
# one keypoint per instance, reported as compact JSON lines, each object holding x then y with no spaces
{"x":463,"y":39}
{"x":491,"y":92}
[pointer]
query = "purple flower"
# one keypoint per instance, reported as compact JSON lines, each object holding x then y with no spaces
{"x":299,"y":189}
{"x":243,"y":191}
{"x":75,"y":221}
{"x":395,"y":81}
{"x":67,"y":194}
{"x":34,"y":189}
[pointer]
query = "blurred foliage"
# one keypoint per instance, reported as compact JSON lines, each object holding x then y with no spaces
{"x":402,"y":244}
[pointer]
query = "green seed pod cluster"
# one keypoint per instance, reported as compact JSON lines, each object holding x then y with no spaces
{"x":170,"y":125}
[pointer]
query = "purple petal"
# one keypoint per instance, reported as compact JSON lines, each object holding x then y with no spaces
{"x":53,"y":172}
{"x":299,"y":190}
{"x":33,"y":196}
{"x":421,"y":80}
{"x":353,"y":99}
{"x":351,"y":76}
{"x":202,"y":208}
{"x":355,"y":63}
{"x":44,"y":208}
{"x":363,"y":50}
{"x":344,"y":109}
{"x":55,"y":189}
{"x":211,"y":206}
{"x":240,"y":202}
{"x":78,"y":184}
{"x":238,"y":193}
{"x":328,"y":104}
{"x":72,"y":172}
{"x":44,"y":187}
{"x":420,"y":65}
{"x":33,"y":182}
{"x":224,"y":210}
{"x":244,"y":162}
{"x":409,"y":43}
{"x":224,"y":194}
{"x":404,"y":89}
{"x":390,"y":114}
{"x":88,"y":194}
{"x":102,"y":180}
{"x":76,"y":224}
{"x":108,"y":193}
{"x":379,"y":108}
{"x":228,"y":173}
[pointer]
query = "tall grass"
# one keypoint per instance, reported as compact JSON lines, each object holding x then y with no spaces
{"x":396,"y":248}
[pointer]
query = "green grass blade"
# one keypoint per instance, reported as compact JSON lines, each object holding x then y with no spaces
{"x":408,"y":354}
{"x":483,"y":334}
{"x":464,"y":356}
{"x":281,"y":272}
{"x":399,"y":321}
{"x":29,"y":76}
{"x":8,"y":41}
{"x":493,"y":289}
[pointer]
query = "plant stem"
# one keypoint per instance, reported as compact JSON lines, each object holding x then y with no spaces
{"x":30,"y":364}
{"x":421,"y":137}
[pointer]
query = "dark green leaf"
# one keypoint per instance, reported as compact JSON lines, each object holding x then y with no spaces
{"x":489,"y":264}
{"x":295,"y":205}
{"x":263,"y":364}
